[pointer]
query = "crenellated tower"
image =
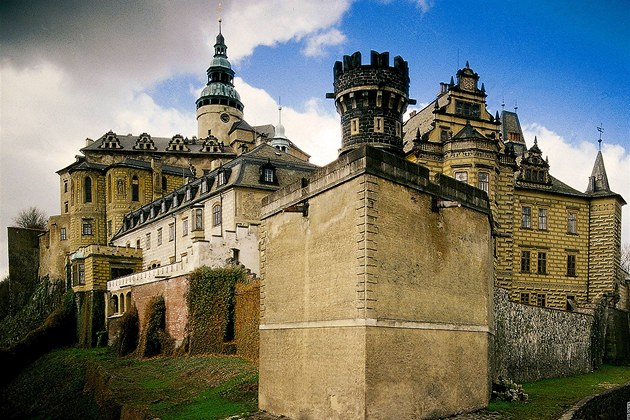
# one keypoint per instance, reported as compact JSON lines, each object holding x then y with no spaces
{"x":371,"y":100}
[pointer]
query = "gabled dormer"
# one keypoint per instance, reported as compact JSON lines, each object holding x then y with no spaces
{"x":110,"y":141}
{"x":144,"y":142}
{"x":533,"y":168}
{"x":177,"y":144}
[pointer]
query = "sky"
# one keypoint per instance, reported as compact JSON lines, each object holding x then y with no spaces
{"x":71,"y":70}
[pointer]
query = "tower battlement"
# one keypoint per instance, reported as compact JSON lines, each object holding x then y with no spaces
{"x":371,"y":100}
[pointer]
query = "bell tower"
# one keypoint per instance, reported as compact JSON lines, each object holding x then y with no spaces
{"x":219,"y":106}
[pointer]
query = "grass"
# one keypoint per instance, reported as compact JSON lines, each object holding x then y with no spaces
{"x":550,"y":398}
{"x":216,"y":387}
{"x":170,"y":387}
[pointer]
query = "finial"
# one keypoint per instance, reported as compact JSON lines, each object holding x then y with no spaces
{"x":220,"y":20}
{"x":483,"y":87}
{"x":497,"y":117}
{"x":279,"y":110}
{"x":503,"y":103}
{"x":467,"y":65}
{"x":452,"y":81}
{"x":515,"y":106}
{"x":601,"y":130}
{"x":418,"y":137}
{"x":535,"y":140}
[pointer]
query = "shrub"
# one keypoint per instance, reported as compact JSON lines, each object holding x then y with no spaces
{"x":127,"y":339}
{"x":210,"y":301}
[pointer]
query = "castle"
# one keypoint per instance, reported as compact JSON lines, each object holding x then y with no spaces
{"x":401,"y":240}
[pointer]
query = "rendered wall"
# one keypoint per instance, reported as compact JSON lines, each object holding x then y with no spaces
{"x":368,"y":307}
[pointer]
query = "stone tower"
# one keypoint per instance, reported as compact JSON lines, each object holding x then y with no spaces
{"x":219,"y":106}
{"x":371,"y":100}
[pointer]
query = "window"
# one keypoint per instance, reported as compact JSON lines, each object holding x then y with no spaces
{"x":467,"y":108}
{"x":526,"y":217}
{"x":159,"y":236}
{"x":86,"y":227}
{"x":88,"y":189}
{"x":109,"y":188}
{"x":138,"y":243}
{"x":164,"y":183}
{"x":462,"y":177}
{"x":171,"y":232}
{"x":542,"y":219}
{"x":571,"y":303}
{"x":115,"y":304}
{"x":62,"y":234}
{"x":354,"y":126}
{"x":221,"y":180}
{"x":398,"y":129}
{"x":541,"y":300}
{"x":65,"y":207}
{"x":216,"y":215}
{"x":443,"y":135}
{"x":525,"y":298}
{"x":542,"y":263}
{"x":135,"y":189}
{"x":185,"y":227}
{"x":109,"y":228}
{"x":572,"y":222}
{"x":484,"y":181}
{"x":79,"y":273}
{"x":571,"y":263}
{"x":148,"y":241}
{"x":268,"y":175}
{"x":525,"y":261}
{"x":198,"y":219}
{"x":379,"y":127}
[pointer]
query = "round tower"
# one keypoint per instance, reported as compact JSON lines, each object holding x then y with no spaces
{"x":219,"y":106}
{"x":371,"y":100}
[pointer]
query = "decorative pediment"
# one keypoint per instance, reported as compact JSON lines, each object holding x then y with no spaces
{"x":110,"y":141}
{"x":533,"y":168}
{"x":178,"y":144}
{"x":144,"y":142}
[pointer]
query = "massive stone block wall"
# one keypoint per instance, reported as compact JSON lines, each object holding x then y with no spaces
{"x":368,"y":308}
{"x":533,"y":343}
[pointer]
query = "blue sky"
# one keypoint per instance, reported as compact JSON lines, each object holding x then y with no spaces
{"x":70,"y":71}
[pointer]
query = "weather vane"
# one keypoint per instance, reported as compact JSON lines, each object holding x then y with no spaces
{"x":601,"y":130}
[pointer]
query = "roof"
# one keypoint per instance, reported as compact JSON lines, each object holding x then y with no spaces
{"x":243,"y":171}
{"x":557,"y":187}
{"x":161,"y":145}
{"x":511,"y":124}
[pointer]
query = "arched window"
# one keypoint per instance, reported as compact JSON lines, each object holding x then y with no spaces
{"x":216,"y":215}
{"x":135,"y":189}
{"x":164,"y":183}
{"x":128,"y":300}
{"x":114,"y":304}
{"x":122,"y":303}
{"x":88,"y":189}
{"x":109,"y":188}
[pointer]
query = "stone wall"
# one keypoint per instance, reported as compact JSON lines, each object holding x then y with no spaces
{"x":610,"y":404}
{"x":617,"y":342}
{"x":533,"y":343}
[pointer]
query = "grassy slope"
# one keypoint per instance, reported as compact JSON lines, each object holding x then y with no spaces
{"x":219,"y":386}
{"x":549,"y":398}
{"x":184,"y":387}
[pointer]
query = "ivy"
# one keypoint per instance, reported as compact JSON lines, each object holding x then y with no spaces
{"x":155,"y":340}
{"x":127,"y":339}
{"x":210,"y":301}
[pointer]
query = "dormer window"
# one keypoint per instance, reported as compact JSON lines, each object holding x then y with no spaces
{"x":177,"y":144}
{"x":268,"y":174}
{"x":144,"y":142}
{"x":221,"y":178}
{"x":467,"y":109}
{"x":110,"y":141}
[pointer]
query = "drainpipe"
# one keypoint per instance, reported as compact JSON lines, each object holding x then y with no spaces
{"x":174,"y":236}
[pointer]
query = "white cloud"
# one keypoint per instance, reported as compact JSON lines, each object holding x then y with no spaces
{"x":424,"y":5}
{"x":316,"y":44}
{"x":573,"y":163}
{"x":71,"y":71}
{"x":316,"y":130}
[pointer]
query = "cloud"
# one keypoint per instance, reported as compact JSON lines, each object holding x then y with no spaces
{"x":316,"y":130}
{"x":572,"y":163}
{"x":74,"y":70}
{"x":424,"y":5}
{"x":316,"y":44}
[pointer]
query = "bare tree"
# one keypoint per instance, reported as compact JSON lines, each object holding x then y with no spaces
{"x":625,"y":256}
{"x":31,"y":218}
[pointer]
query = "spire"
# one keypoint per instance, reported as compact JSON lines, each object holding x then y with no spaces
{"x":220,"y":49}
{"x":598,"y":181}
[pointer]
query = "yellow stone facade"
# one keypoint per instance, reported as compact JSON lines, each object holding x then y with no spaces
{"x":541,"y":260}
